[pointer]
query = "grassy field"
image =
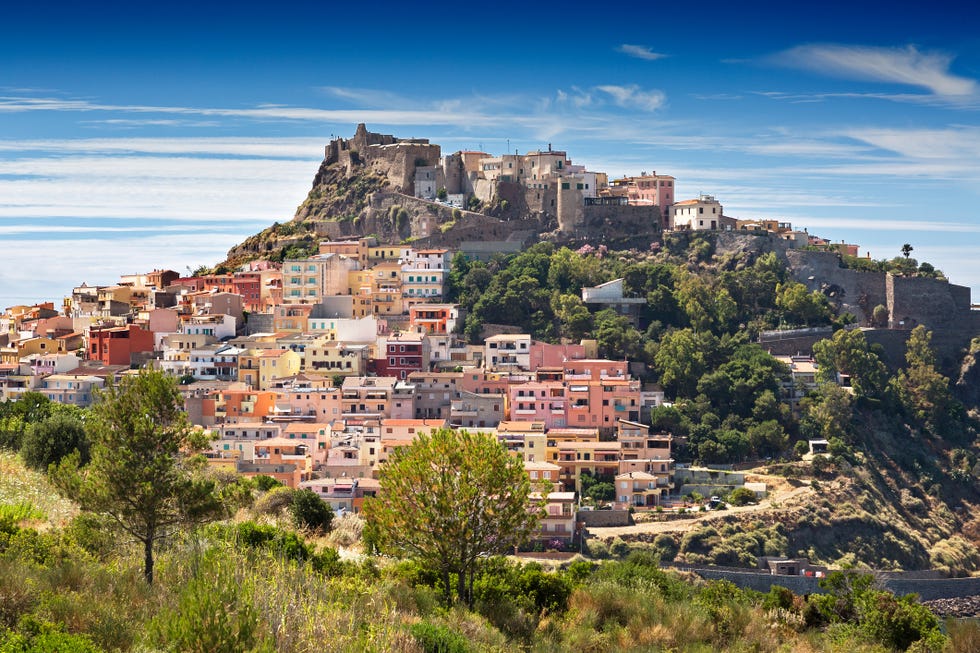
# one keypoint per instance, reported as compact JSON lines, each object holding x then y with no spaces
{"x":19,"y":485}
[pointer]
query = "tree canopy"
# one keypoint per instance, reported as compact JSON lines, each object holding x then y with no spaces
{"x":449,"y":500}
{"x":142,"y":474}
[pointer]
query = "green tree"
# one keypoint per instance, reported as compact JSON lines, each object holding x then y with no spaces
{"x":602,"y":491}
{"x":142,"y":475}
{"x":767,"y":438}
{"x":923,"y":390}
{"x":802,"y":306}
{"x":848,"y":353}
{"x":682,"y":358}
{"x":16,"y":417}
{"x":827,"y":413}
{"x":47,"y":442}
{"x":708,"y":305}
{"x":310,"y":511}
{"x":574,"y":319}
{"x":907,"y":250}
{"x":879,"y":316}
{"x":618,"y":339}
{"x":449,"y":500}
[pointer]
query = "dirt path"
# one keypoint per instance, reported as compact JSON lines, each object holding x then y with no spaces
{"x":780,"y":492}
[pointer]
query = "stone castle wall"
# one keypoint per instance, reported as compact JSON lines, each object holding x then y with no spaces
{"x":855,"y":291}
{"x":392,"y":157}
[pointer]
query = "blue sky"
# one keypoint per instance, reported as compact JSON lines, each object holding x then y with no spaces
{"x":134,"y":137}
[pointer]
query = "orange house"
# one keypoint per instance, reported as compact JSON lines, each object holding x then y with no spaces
{"x":235,"y":406}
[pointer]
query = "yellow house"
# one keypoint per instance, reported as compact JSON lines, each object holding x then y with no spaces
{"x":335,"y":358}
{"x":248,"y":367}
{"x":39,"y":345}
{"x":275,"y":364}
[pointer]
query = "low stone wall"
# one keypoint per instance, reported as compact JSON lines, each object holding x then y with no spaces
{"x":897,"y":583}
{"x":605,"y":517}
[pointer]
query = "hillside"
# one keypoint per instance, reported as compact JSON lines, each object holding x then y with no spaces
{"x":366,"y":185}
{"x":254,"y":583}
{"x":900,"y":485}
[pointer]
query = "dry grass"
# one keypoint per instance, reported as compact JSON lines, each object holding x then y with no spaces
{"x":19,"y":484}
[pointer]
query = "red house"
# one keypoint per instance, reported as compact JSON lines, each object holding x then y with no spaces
{"x":118,"y":345}
{"x":405,"y":353}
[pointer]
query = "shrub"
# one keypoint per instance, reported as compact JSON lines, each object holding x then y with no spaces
{"x":260,"y":536}
{"x":619,"y":548}
{"x":91,"y":533}
{"x":42,"y":637}
{"x":266,"y":483}
{"x":438,"y":639}
{"x":310,"y":511}
{"x":741,"y":496}
{"x":346,"y":531}
{"x":13,"y":514}
{"x":597,"y":548}
{"x":801,"y":448}
{"x":215,"y":614}
{"x":666,"y":546}
{"x":275,"y":502}
{"x":47,"y":442}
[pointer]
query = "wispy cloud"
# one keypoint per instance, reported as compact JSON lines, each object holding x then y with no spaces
{"x":961,"y":102}
{"x":148,"y":122}
{"x":716,"y":96}
{"x":264,"y":147}
{"x":858,"y":223}
{"x":951,"y":144}
{"x":152,"y":187}
{"x":274,"y":112}
{"x":368,"y":97}
{"x":633,"y":97}
{"x":907,"y":66}
{"x":640,"y":52}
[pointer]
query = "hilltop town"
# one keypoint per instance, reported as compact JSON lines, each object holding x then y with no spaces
{"x":311,"y":367}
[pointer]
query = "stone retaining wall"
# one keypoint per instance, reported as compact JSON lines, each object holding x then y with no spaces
{"x":600,"y":518}
{"x":927,"y":589}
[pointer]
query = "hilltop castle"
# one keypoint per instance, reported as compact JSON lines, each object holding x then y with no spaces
{"x":542,"y":184}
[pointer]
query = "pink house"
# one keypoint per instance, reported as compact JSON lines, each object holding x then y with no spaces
{"x":544,"y":354}
{"x":321,"y":404}
{"x":538,"y":402}
{"x":314,"y":434}
{"x":603,"y":403}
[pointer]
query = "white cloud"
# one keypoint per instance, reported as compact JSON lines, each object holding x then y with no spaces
{"x":952,"y":144}
{"x":640,"y":52}
{"x":909,"y":66}
{"x":179,"y":187}
{"x":633,"y":97}
{"x":369,"y":97}
{"x":298,"y":148}
{"x":272,"y":112}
